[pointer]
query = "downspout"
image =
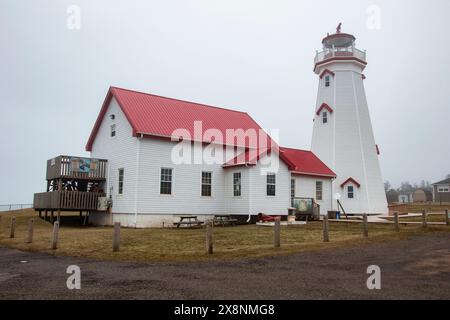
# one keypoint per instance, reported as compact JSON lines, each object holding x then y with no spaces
{"x":249,"y":194}
{"x":136,"y":183}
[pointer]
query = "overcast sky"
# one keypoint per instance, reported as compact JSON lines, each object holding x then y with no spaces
{"x":255,"y":56}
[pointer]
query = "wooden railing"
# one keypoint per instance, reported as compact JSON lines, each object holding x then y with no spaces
{"x":66,"y":200}
{"x":76,"y":168}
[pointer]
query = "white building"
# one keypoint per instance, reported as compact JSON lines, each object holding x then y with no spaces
{"x":151,"y":144}
{"x":342,"y":136}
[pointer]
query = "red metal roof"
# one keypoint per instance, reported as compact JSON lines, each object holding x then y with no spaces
{"x":153,"y":115}
{"x":305,"y":162}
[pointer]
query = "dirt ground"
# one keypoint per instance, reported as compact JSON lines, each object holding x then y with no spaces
{"x":417,"y":268}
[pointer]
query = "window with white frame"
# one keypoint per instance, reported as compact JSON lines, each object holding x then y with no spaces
{"x":350,"y":192}
{"x":206,"y":183}
{"x":271,"y":183}
{"x":324,"y":117}
{"x":443,"y":189}
{"x":237,"y":184}
{"x":327,"y":81}
{"x":113,"y":130}
{"x":120,"y":180}
{"x":292,"y":188}
{"x":319,"y":190}
{"x":166,"y":181}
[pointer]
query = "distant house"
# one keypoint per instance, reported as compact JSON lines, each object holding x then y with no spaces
{"x":405,"y":197}
{"x":441,"y":191}
{"x":422,"y":195}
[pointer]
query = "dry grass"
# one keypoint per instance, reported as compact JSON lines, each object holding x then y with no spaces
{"x":169,"y":245}
{"x":427,"y":206}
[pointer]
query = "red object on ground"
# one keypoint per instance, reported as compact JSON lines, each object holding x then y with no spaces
{"x":265,"y":218}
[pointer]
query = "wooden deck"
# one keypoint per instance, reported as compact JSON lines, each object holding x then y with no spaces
{"x":67,"y":200}
{"x":69,"y":167}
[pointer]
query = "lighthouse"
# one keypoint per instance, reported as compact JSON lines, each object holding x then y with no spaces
{"x":342,"y":132}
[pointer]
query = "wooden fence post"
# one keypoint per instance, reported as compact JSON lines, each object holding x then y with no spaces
{"x":116,"y":237}
{"x":55,"y":235}
{"x":13,"y":227}
{"x":365,"y":226}
{"x":447,"y":222}
{"x":30,"y":230}
{"x":396,"y":225}
{"x":276,"y":233}
{"x":325,"y":229}
{"x":424,"y":219}
{"x":209,"y":237}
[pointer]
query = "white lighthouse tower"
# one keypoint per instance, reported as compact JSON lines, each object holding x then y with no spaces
{"x":342,"y":135}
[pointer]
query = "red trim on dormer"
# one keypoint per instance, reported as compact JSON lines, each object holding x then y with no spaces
{"x":350,"y":180}
{"x":378,"y":149}
{"x":324,"y":106}
{"x":363,"y":76}
{"x":324,"y":72}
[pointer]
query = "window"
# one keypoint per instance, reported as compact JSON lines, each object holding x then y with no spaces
{"x":324,"y":117}
{"x":120,"y":186}
{"x":350,"y":192}
{"x":292,"y":188}
{"x":327,"y":81}
{"x":113,"y":130}
{"x":206,"y":183}
{"x":443,"y":189}
{"x":166,"y":181}
{"x":319,"y":188}
{"x":237,"y":184}
{"x":271,"y":181}
{"x":292,"y":191}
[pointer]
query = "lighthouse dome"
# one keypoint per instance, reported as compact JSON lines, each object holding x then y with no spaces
{"x":338,"y":40}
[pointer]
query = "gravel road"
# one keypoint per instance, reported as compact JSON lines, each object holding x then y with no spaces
{"x":418,"y":268}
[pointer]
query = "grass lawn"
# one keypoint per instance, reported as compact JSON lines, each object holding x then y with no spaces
{"x":168,"y":245}
{"x":429,"y":207}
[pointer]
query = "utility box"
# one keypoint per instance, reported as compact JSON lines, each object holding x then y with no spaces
{"x":102,"y":204}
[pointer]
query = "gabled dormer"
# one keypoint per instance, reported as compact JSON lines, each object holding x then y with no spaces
{"x":326,"y":77}
{"x":350,"y":187}
{"x":324,"y":112}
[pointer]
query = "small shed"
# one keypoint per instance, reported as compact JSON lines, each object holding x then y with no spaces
{"x":405,"y":197}
{"x":422,"y":195}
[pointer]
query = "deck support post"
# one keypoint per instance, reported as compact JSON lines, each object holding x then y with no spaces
{"x":447,"y":222}
{"x":365,"y":226}
{"x":45,"y":214}
{"x":51,"y":216}
{"x":58,"y":215}
{"x":396,"y":225}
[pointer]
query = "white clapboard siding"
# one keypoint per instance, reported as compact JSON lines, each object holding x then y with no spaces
{"x":120,"y":151}
{"x":305,"y":187}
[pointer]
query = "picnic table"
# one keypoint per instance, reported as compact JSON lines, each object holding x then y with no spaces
{"x":224,"y":219}
{"x":188,"y":221}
